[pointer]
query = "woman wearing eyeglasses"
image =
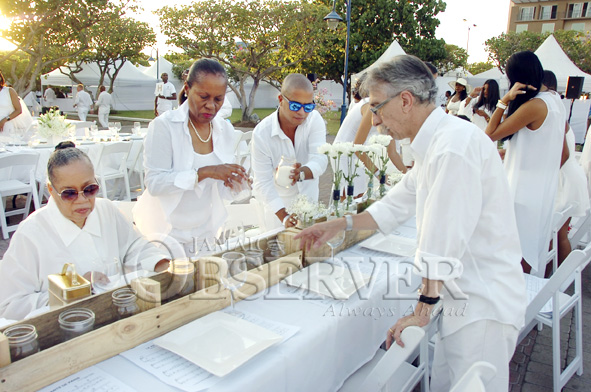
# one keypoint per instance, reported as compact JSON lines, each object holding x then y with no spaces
{"x":189,"y":164}
{"x":294,"y":131}
{"x":74,"y":227}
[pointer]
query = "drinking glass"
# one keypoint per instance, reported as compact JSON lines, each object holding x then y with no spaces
{"x":117,"y":127}
{"x":241,"y":190}
{"x":106,"y":278}
{"x":136,"y":128}
{"x":233,"y":230}
{"x":233,"y":273}
{"x":335,"y":241}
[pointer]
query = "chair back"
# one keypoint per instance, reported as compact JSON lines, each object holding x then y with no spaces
{"x":576,"y":259}
{"x":108,"y":150}
{"x":476,"y":378}
{"x":242,"y":150}
{"x":580,"y":229}
{"x":10,"y":161}
{"x":394,"y":357}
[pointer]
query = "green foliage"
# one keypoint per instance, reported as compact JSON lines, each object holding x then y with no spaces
{"x":374,"y":25}
{"x":256,"y":40}
{"x":455,"y":57}
{"x":576,"y":45}
{"x":480,"y":67}
{"x":50,"y":32}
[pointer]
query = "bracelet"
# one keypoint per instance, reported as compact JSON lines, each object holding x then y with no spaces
{"x":429,"y":300}
{"x":501,"y":105}
{"x":285,"y":219}
{"x":349,"y":220}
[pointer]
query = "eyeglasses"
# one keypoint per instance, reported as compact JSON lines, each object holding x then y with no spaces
{"x":296,"y":106}
{"x":375,"y":109}
{"x":72,"y":194}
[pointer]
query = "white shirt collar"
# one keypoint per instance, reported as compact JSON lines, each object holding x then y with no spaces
{"x":422,"y":140}
{"x":67,"y":230}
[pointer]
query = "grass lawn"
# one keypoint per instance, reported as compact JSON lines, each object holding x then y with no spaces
{"x":332,"y":118}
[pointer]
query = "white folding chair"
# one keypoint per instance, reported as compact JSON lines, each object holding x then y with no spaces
{"x":558,"y":220}
{"x":13,"y":186}
{"x":562,"y":303}
{"x":112,"y":164}
{"x":135,"y":163}
{"x":580,"y":232}
{"x":81,"y":125}
{"x":390,"y":365}
{"x":475,"y":378}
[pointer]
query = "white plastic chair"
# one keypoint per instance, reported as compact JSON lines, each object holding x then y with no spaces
{"x":80,"y":125}
{"x":105,"y":170}
{"x":580,"y":232}
{"x":242,"y":150}
{"x":12,"y":186}
{"x":558,"y":220}
{"x":562,"y":303}
{"x":135,"y":163}
{"x":476,"y":378}
{"x":390,"y":365}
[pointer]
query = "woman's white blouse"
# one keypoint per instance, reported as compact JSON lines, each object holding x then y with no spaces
{"x":170,"y":173}
{"x":46,"y":240}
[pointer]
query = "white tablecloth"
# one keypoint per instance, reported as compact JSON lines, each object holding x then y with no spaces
{"x":334,"y":340}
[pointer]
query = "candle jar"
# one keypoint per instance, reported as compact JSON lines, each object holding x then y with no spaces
{"x":22,"y":340}
{"x":286,"y":165}
{"x":254,"y":257}
{"x":125,"y":300}
{"x":75,"y":322}
{"x":183,"y":277}
{"x":275,"y":250}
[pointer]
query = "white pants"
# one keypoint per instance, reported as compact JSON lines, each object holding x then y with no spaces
{"x":82,"y":112}
{"x":484,"y":340}
{"x":103,"y":116}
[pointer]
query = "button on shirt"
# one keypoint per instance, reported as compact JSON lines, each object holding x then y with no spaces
{"x":47,"y":240}
{"x":269,"y":144}
{"x":466,"y":230}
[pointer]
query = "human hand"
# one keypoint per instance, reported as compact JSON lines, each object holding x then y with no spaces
{"x":291,"y":221}
{"x":317,"y":235}
{"x":228,"y":173}
{"x":295,"y":173}
{"x":393,"y":333}
{"x":2,"y":122}
{"x":517,"y":89}
{"x":476,"y":92}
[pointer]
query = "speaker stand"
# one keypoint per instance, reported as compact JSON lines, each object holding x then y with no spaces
{"x":572,"y":101}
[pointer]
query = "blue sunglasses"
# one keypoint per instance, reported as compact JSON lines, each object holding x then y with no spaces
{"x":296,"y":106}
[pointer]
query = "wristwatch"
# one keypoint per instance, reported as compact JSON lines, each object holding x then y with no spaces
{"x":302,"y":176}
{"x":196,"y":176}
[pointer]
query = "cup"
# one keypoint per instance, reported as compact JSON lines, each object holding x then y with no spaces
{"x":241,"y":190}
{"x":136,"y":128}
{"x":75,"y":322}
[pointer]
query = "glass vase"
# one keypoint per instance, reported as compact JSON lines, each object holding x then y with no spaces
{"x":336,"y":198}
{"x":350,"y":193}
{"x":382,"y":185}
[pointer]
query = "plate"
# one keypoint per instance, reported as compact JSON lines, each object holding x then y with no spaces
{"x":329,"y":280}
{"x":43,"y":145}
{"x":218,"y":342}
{"x":124,"y":134}
{"x":392,"y":244}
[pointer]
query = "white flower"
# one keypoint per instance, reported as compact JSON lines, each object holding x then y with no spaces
{"x":348,"y":148}
{"x":340,"y":148}
{"x":326,"y":148}
{"x":384,"y":140}
{"x":360,"y":148}
{"x":53,"y":124}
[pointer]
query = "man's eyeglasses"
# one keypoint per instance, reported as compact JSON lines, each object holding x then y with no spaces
{"x":72,"y":194}
{"x":375,"y":109}
{"x":296,"y":106}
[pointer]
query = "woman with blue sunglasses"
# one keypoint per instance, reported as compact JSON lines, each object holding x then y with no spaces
{"x":74,"y":227}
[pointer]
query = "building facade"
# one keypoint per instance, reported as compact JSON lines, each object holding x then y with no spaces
{"x":549,"y":15}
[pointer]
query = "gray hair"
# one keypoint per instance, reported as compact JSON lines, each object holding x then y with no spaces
{"x":63,"y":156}
{"x":404,"y":73}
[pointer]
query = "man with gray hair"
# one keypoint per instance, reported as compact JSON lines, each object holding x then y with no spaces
{"x":294,"y":131}
{"x":467,"y":243}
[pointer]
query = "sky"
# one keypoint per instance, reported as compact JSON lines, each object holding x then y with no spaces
{"x":490,"y":18}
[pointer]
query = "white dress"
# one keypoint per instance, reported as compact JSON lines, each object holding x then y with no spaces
{"x":347,"y":133}
{"x":453,"y":107}
{"x":572,"y":185}
{"x":532,"y":163}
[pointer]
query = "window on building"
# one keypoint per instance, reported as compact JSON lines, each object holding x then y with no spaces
{"x":579,"y":10}
{"x":578,"y":27}
{"x":548,"y":12}
{"x":521,"y":28}
{"x":548,"y":28}
{"x":527,"y":13}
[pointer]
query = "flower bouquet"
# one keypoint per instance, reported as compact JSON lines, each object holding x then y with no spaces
{"x":334,"y":153}
{"x":378,"y":153}
{"x":53,"y":126}
{"x":307,"y":212}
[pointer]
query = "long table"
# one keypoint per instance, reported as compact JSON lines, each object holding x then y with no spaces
{"x":335,"y":338}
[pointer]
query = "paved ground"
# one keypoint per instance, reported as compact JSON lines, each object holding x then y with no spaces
{"x":531,"y":366}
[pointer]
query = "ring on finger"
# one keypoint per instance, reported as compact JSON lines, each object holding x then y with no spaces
{"x":392,"y":332}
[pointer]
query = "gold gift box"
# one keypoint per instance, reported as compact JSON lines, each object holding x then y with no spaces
{"x":67,"y":286}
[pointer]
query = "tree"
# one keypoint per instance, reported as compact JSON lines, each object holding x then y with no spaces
{"x":476,"y":68}
{"x":49,"y":32}
{"x":577,"y":47}
{"x":502,"y":47}
{"x":374,"y":25}
{"x":455,"y":57}
{"x":255,"y":40}
{"x":112,"y":43}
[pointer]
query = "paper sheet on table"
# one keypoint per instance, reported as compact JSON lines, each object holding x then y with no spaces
{"x":170,"y":368}
{"x":183,"y":374}
{"x":92,"y":379}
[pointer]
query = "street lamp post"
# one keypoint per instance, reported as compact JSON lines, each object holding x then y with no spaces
{"x":157,"y":64}
{"x":333,"y":19}
{"x":470,"y":25}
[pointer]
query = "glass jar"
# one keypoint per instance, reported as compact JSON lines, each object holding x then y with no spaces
{"x":22,"y":340}
{"x":275,"y":250}
{"x":254,"y":257}
{"x":286,"y":165}
{"x":125,"y":300}
{"x":75,"y":322}
{"x":183,"y":277}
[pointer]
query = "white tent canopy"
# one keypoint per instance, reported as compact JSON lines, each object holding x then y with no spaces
{"x":393,"y":50}
{"x":161,"y":65}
